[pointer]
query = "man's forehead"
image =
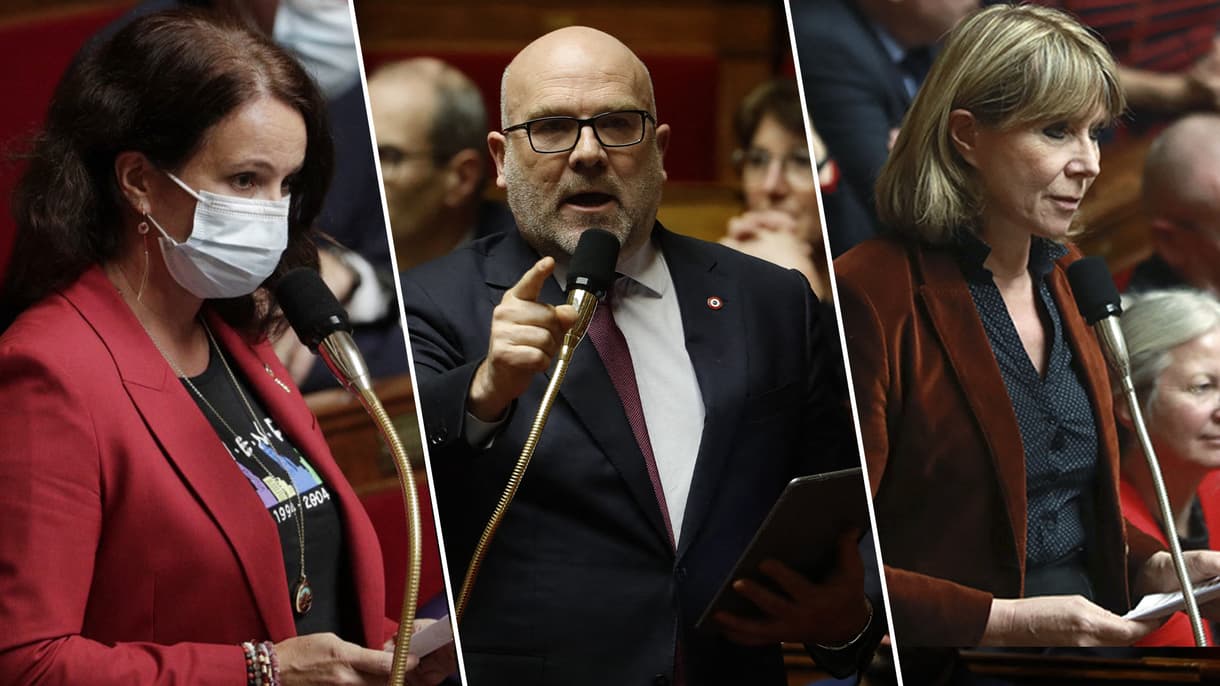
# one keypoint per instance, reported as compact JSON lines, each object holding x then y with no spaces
{"x":583,"y":95}
{"x":589,"y":66}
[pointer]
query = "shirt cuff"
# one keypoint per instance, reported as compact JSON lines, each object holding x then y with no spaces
{"x":480,"y":434}
{"x":369,"y":302}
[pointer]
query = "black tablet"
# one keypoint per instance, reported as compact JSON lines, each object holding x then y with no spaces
{"x":801,"y":531}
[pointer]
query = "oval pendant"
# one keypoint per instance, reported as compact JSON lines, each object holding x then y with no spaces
{"x":304,"y":596}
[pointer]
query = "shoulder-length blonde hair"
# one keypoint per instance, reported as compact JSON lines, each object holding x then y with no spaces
{"x":1009,"y":66}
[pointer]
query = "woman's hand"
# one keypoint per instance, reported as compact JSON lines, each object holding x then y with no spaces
{"x":326,"y":659}
{"x":434,"y":666}
{"x":1058,"y":620}
{"x":1159,"y":576}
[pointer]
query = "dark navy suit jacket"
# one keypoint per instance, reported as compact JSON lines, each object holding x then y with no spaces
{"x":581,"y":584}
{"x":855,"y":96}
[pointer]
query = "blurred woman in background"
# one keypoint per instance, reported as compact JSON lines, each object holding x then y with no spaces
{"x":1173,"y":338}
{"x":781,"y":222}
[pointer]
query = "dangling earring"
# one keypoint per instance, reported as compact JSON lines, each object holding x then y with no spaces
{"x":142,"y":229}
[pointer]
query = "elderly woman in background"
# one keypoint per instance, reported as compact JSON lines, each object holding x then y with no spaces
{"x":1173,"y":338}
{"x":781,"y":222}
{"x":983,"y":399}
{"x":171,"y":511}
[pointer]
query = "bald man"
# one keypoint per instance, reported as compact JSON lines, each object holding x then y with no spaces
{"x":431,"y":130}
{"x":1181,"y":192}
{"x":621,"y":532}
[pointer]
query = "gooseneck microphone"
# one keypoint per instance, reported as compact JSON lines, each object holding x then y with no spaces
{"x":322,"y":325}
{"x":590,"y":273}
{"x":1100,"y":305}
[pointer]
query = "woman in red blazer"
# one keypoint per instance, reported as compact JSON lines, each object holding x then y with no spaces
{"x":983,"y":398}
{"x":1173,"y":338}
{"x":171,"y":512}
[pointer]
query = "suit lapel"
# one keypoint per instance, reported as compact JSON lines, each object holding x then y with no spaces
{"x":712,"y":339}
{"x":191,"y":445}
{"x":586,"y":390}
{"x":954,"y":317}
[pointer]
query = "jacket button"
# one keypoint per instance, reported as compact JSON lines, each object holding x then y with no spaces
{"x":680,"y":572}
{"x":660,"y":680}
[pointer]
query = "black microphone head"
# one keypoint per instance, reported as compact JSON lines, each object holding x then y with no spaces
{"x":310,"y":307}
{"x":592,"y":265}
{"x":1093,"y":287}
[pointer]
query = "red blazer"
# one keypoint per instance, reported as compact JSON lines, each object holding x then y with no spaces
{"x":943,"y":448}
{"x":1176,"y":631}
{"x":132,"y":550}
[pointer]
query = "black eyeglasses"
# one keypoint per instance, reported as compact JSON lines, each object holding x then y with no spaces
{"x":560,"y":134}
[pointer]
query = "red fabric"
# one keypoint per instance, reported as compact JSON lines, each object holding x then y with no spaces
{"x":1150,"y":34}
{"x":35,"y":52}
{"x":686,"y":91}
{"x":1176,"y":631}
{"x":134,"y":552}
{"x":388,"y":514}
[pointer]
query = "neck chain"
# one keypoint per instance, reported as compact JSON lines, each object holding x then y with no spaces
{"x":302,"y":592}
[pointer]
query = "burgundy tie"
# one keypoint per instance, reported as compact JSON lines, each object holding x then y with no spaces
{"x":612,"y":348}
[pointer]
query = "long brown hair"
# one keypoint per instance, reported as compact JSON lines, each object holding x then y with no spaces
{"x":156,"y":87}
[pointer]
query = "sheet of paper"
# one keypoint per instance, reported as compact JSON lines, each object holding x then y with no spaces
{"x":1158,"y":605}
{"x":432,"y":637}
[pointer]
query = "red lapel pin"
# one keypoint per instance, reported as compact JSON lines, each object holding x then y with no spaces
{"x":715,"y":303}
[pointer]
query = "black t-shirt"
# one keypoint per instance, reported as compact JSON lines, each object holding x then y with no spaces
{"x":268,"y":469}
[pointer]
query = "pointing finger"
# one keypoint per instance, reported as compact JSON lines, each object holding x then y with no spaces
{"x":531,"y":282}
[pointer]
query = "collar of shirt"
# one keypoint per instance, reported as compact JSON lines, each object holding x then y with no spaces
{"x":972,"y":252}
{"x":646,"y":272}
{"x":892,"y":47}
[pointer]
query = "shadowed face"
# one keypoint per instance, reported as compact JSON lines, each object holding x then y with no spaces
{"x":556,"y":196}
{"x":403,"y":112}
{"x":777,"y":174}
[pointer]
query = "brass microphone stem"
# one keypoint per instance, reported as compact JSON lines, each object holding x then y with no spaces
{"x":1167,"y":519}
{"x":585,"y":303}
{"x":406,"y":482}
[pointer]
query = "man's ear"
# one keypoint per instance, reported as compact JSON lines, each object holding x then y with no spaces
{"x":662,"y":146}
{"x":963,"y":131}
{"x":1169,"y":242}
{"x":132,"y":172}
{"x":462,"y":175}
{"x":495,"y":145}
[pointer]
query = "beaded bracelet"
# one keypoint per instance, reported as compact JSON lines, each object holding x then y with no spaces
{"x":262,"y":665}
{"x":267,"y":651}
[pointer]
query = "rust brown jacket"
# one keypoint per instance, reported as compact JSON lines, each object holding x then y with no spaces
{"x":943,"y":448}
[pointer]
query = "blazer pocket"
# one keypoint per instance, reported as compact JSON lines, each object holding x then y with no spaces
{"x":776,"y":402}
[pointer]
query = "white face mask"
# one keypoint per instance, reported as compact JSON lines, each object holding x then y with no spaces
{"x":319,"y":34}
{"x":235,"y":244}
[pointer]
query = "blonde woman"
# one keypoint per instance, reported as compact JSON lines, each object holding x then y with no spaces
{"x":983,"y":398}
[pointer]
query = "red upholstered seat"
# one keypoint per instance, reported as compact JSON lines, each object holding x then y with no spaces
{"x":386,"y":509}
{"x":35,"y":51}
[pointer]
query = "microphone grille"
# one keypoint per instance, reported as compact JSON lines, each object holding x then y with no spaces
{"x":592,"y":265}
{"x":310,"y":307}
{"x":1094,"y":290}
